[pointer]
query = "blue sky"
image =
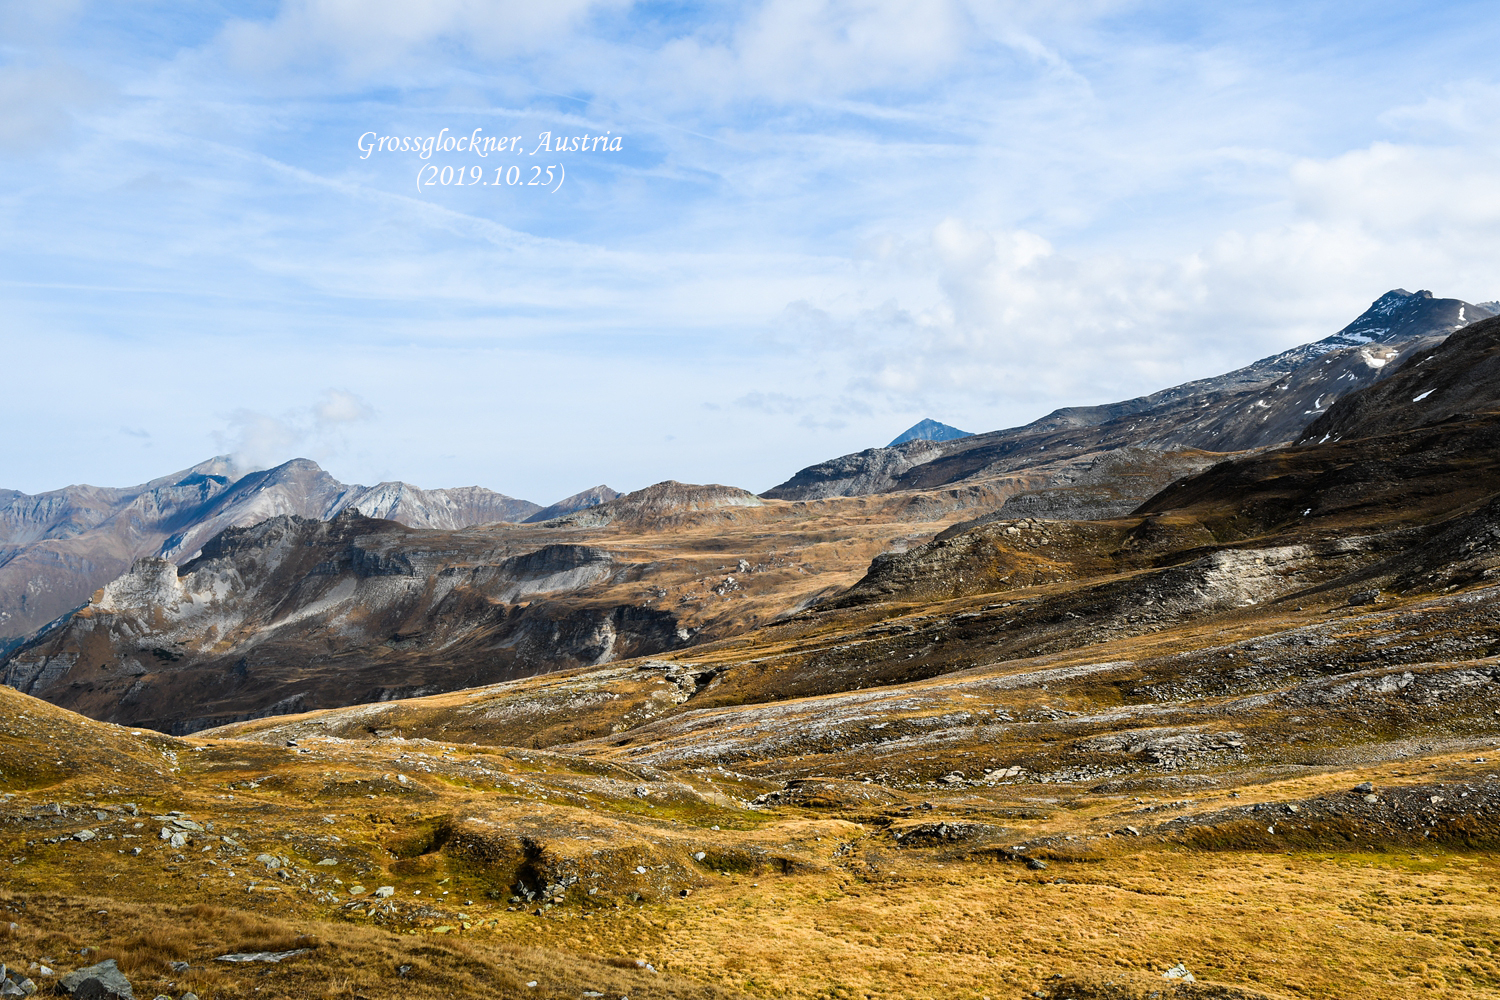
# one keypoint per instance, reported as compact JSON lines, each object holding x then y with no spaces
{"x":827,"y":219}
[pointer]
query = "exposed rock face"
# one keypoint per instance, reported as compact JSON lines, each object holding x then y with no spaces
{"x":578,"y":501}
{"x":296,"y":613}
{"x":661,"y":504}
{"x":57,"y":548}
{"x":1458,"y":376}
{"x":458,"y":507}
{"x":1264,"y":404}
{"x":874,"y":470}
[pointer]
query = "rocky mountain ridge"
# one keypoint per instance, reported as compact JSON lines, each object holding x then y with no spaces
{"x":294,"y":613}
{"x":56,"y":548}
{"x":1263,"y":404}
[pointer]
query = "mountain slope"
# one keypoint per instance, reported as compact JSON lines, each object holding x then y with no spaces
{"x":578,"y":501}
{"x":1461,"y":376}
{"x":295,"y":613}
{"x":928,"y":430}
{"x":57,"y":548}
{"x":1264,"y":404}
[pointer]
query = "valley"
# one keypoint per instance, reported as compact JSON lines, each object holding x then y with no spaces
{"x":1209,"y":714}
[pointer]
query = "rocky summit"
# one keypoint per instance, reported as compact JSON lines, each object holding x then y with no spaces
{"x":1208,"y":708}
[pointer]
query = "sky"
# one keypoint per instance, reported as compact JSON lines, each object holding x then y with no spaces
{"x":810,"y":224}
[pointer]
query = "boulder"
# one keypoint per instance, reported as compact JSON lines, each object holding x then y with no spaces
{"x":104,"y":981}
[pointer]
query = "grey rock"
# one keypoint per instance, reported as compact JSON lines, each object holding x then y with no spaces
{"x":1179,"y":971}
{"x":1364,"y":786}
{"x":85,"y":835}
{"x":103,"y":981}
{"x":1364,"y":597}
{"x":263,"y":956}
{"x":1036,"y":864}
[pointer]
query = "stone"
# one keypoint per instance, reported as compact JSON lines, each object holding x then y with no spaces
{"x":1036,"y":864}
{"x":263,"y":956}
{"x":85,"y":835}
{"x":1372,"y":799}
{"x":699,"y":856}
{"x":329,"y":861}
{"x":179,"y":839}
{"x":385,"y":891}
{"x":1179,"y":971}
{"x":1364,"y":786}
{"x":179,"y":966}
{"x":103,"y":981}
{"x":188,"y":996}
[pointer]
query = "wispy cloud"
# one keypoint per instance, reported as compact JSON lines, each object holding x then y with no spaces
{"x":829,"y":218}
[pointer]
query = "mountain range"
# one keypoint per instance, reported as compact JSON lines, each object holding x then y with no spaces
{"x":57,"y":548}
{"x":286,"y":601}
{"x":1261,"y":405}
{"x":1235,"y":741}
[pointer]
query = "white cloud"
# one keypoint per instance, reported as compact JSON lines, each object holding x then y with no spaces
{"x":260,"y":440}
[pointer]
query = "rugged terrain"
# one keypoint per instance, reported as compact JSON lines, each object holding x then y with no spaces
{"x":1246,"y":732}
{"x":1264,"y":404}
{"x":297,"y":613}
{"x":57,"y":548}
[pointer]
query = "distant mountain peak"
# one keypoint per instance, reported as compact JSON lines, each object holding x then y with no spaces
{"x":929,"y":430}
{"x":578,"y":501}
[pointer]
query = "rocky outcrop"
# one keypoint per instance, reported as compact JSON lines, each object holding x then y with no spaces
{"x":297,"y":613}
